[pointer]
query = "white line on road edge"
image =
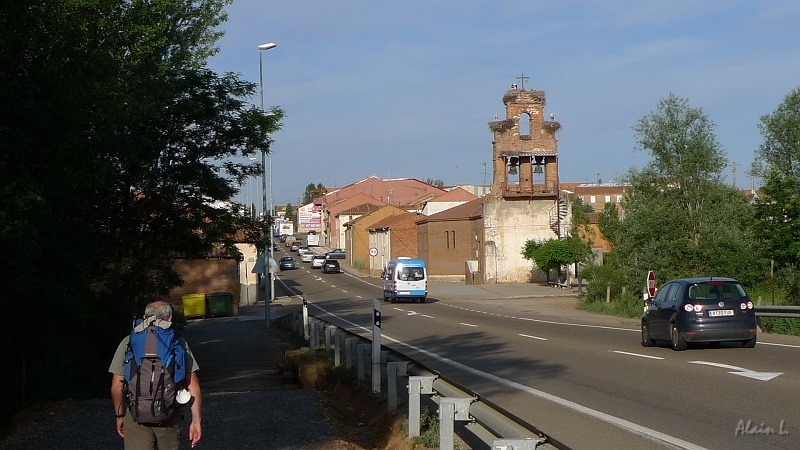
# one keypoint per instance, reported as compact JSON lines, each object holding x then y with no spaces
{"x":636,"y":354}
{"x":778,"y":345}
{"x":554,"y":322}
{"x":533,"y":337}
{"x":647,"y":433}
{"x":467,"y":324}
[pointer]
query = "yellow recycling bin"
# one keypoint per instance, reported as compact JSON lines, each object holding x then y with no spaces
{"x":194,"y":305}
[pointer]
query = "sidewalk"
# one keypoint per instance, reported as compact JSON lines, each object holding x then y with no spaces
{"x":248,"y":401}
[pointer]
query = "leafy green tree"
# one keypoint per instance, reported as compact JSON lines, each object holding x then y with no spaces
{"x":118,"y":147}
{"x":313,"y":192}
{"x":777,"y":161}
{"x":551,"y":254}
{"x":438,"y":183}
{"x":680,"y":218}
{"x":780,"y":151}
{"x":289,"y":214}
{"x":609,"y":223}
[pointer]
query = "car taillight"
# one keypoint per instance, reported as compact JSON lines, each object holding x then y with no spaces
{"x":745,"y":306}
{"x":690,"y":307}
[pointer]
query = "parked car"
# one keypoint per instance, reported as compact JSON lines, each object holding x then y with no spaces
{"x":306,"y":257}
{"x":274,"y":246}
{"x":331,"y":266}
{"x":317,"y":260}
{"x":699,"y":310}
{"x":287,"y":262}
{"x":337,"y":253}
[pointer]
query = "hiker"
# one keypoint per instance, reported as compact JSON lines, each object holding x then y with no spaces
{"x":138,"y":422}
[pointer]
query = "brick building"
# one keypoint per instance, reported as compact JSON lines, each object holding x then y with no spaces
{"x":447,"y":240}
{"x":357,"y":237}
{"x":392,"y":237}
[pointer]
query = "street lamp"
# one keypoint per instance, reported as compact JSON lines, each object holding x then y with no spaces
{"x":269,"y":254}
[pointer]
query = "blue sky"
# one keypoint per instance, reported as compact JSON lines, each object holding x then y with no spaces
{"x":407,"y":88}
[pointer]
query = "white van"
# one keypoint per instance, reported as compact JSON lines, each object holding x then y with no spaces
{"x":405,"y":278}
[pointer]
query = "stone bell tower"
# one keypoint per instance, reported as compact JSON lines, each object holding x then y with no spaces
{"x":525,"y":148}
{"x":524,"y":203}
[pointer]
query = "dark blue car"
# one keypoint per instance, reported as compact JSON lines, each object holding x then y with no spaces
{"x":709,"y":310}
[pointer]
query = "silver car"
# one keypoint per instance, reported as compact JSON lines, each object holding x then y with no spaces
{"x":317,"y":261}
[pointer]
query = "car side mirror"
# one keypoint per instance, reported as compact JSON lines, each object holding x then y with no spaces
{"x":649,"y":301}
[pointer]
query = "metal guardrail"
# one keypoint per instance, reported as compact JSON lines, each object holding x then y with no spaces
{"x":791,"y":312}
{"x":487,"y":422}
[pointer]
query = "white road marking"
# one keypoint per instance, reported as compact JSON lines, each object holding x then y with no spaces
{"x":626,"y":425}
{"x":425,"y":315}
{"x":554,"y":322}
{"x":533,"y":337}
{"x":636,"y":354}
{"x":778,"y":345}
{"x":763,"y":376}
{"x":344,"y":291}
{"x":467,"y":324}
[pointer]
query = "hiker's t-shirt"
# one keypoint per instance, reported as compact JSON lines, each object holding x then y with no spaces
{"x":117,"y":366}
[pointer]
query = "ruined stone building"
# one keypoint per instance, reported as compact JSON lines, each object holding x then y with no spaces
{"x":525,"y":201}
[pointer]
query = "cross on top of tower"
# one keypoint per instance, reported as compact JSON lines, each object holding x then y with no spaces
{"x":522,"y":79}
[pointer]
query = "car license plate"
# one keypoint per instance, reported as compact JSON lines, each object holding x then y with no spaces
{"x":720,"y":312}
{"x":404,"y":293}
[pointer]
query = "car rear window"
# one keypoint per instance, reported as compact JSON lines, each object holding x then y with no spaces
{"x":715,"y":290}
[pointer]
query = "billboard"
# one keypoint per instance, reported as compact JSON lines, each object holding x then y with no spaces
{"x":309,"y":217}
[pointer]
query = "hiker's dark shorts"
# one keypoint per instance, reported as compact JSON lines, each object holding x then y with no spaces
{"x":151,"y":437}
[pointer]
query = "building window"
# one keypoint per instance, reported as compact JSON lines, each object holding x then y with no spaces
{"x":608,"y":199}
{"x":592,"y":199}
{"x":619,"y":199}
{"x":450,"y":237}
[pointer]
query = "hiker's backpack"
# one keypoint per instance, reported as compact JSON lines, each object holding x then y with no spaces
{"x":154,"y":371}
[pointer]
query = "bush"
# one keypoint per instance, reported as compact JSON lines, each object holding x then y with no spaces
{"x":781,"y":325}
{"x":429,"y":425}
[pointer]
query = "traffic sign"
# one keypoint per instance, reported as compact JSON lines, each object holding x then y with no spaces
{"x":651,"y":283}
{"x":373,"y":251}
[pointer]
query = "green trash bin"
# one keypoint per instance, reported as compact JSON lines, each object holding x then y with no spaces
{"x":219,"y":303}
{"x":194,"y":305}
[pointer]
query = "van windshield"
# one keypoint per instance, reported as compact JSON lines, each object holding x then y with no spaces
{"x":411,"y":273}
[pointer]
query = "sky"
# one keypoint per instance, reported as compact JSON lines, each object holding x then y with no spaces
{"x":407,"y":88}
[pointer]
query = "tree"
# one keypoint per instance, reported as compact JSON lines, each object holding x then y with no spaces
{"x":438,"y":183}
{"x":313,"y":192}
{"x":551,"y":254}
{"x":680,"y":218}
{"x":289,"y":214}
{"x":777,"y":161}
{"x":118,"y":147}
{"x":780,"y":152}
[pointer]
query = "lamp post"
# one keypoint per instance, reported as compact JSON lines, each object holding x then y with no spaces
{"x":268,"y":256}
